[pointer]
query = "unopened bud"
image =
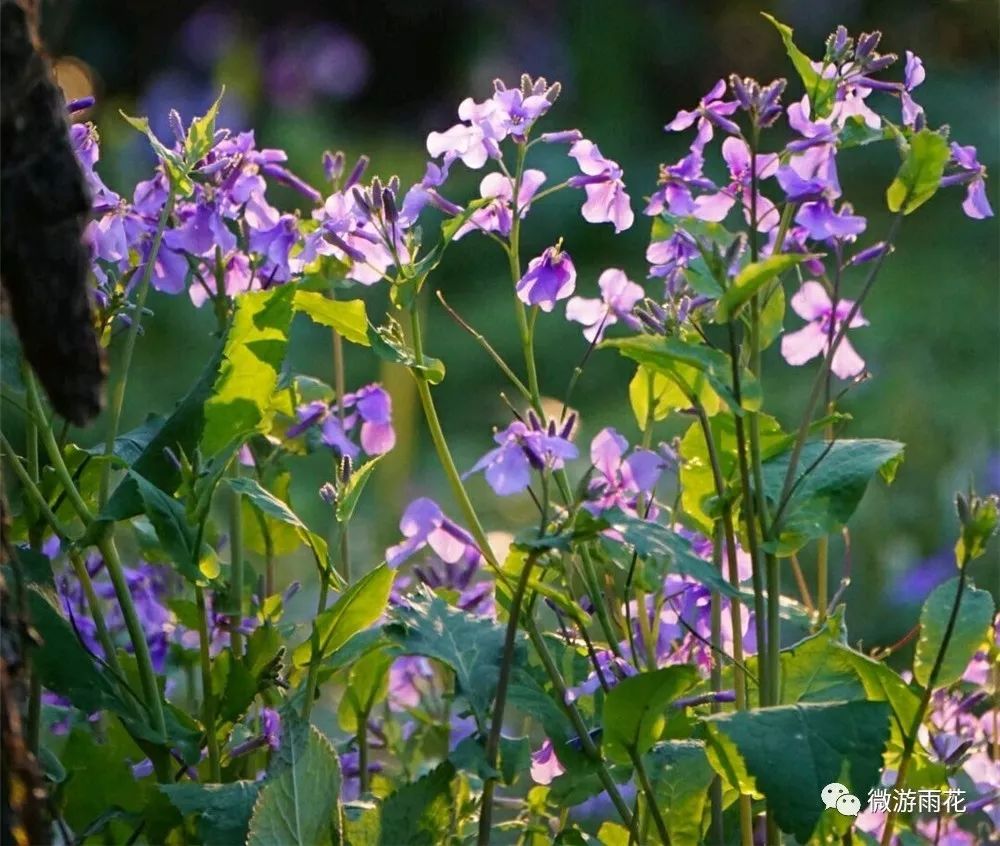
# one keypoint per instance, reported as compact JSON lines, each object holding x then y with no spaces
{"x":328,"y":493}
{"x":333,"y":165}
{"x":176,"y":126}
{"x":356,"y":173}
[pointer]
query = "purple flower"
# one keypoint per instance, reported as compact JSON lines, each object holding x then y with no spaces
{"x":607,"y":201}
{"x":370,"y":405}
{"x":410,"y":677}
{"x":519,"y":108}
{"x":545,"y":766}
{"x":710,"y":111}
{"x":970,"y":172}
{"x":618,"y":481}
{"x":823,"y":223}
{"x":670,"y":260}
{"x":610,"y":668}
{"x":913,"y":76}
{"x":618,"y":297}
{"x":812,"y":303}
{"x":523,"y":447}
{"x":820,"y":131}
{"x":715,"y":207}
{"x":675,"y":185}
{"x":550,"y":277}
{"x":425,"y":524}
{"x":496,"y":215}
{"x":270,"y":725}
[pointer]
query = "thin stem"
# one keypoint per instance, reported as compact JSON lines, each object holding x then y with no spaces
{"x":822,"y":577}
{"x":597,"y":597}
{"x":586,"y":743}
{"x":236,"y":565}
{"x":54,"y":452}
{"x":144,"y":662}
{"x":118,"y":393}
{"x":911,"y":738}
{"x":207,"y":694}
{"x":363,"y":776}
{"x":481,"y":340}
{"x":800,"y":581}
{"x":647,"y":787}
{"x":715,"y":796}
{"x":514,"y":257}
{"x":340,"y":386}
{"x":31,"y":489}
{"x":496,"y":724}
{"x":316,"y":656}
{"x":96,"y":612}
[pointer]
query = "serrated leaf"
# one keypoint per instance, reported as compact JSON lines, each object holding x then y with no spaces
{"x":919,"y":176}
{"x":180,"y":433}
{"x":751,"y":279}
{"x":172,"y":162}
{"x":299,"y":803}
{"x":349,"y":497}
{"x":471,"y":646}
{"x":794,"y":751}
{"x":172,"y":530}
{"x":419,"y":813}
{"x":387,"y":349}
{"x":635,"y":710}
{"x":681,"y":775}
{"x":356,"y":608}
{"x":975,"y":613}
{"x":821,"y":91}
{"x":678,"y":360}
{"x":223,"y":810}
{"x":828,"y":492}
{"x":201,"y":133}
{"x":348,"y":317}
{"x":273,"y":508}
{"x":254,"y":351}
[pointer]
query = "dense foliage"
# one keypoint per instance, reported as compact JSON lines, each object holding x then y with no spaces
{"x":631,"y":666}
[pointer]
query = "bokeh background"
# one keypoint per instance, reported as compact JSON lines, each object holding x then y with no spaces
{"x":377,"y":77}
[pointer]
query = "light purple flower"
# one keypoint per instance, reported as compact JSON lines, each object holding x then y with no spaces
{"x":497,"y":215}
{"x":812,"y":303}
{"x":518,"y":110}
{"x":523,"y":447}
{"x":675,"y":185}
{"x":550,"y":277}
{"x":425,"y":524}
{"x":670,"y":260}
{"x":545,"y":766}
{"x":913,"y":76}
{"x":371,"y":406}
{"x":270,"y":725}
{"x":618,"y":297}
{"x":410,"y":677}
{"x":823,"y":223}
{"x":715,"y":207}
{"x":711,"y":111}
{"x":619,"y":481}
{"x":971,"y":173}
{"x":607,"y":201}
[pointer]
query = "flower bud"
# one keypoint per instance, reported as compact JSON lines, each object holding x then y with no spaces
{"x":566,"y":136}
{"x":328,"y":493}
{"x":333,"y":165}
{"x":979,"y":517}
{"x":176,"y":126}
{"x":80,"y":104}
{"x":356,"y":173}
{"x":389,"y":204}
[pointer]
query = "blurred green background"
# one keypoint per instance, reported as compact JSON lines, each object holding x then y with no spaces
{"x":377,"y":77}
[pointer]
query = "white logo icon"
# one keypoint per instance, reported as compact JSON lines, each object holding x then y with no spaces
{"x":836,"y":795}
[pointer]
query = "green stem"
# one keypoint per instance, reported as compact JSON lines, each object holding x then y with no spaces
{"x":496,"y":724}
{"x":514,"y":257}
{"x":94,"y":606}
{"x":54,"y":452}
{"x":363,"y":777}
{"x":118,"y":392}
{"x":598,"y":598}
{"x":651,"y":803}
{"x":207,"y":693}
{"x":31,"y":489}
{"x":340,"y":386}
{"x":586,"y":743}
{"x":822,"y":577}
{"x":918,"y":718}
{"x":144,"y":662}
{"x":715,"y":796}
{"x":236,"y":565}
{"x":316,"y":654}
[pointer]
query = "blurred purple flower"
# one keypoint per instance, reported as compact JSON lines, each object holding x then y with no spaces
{"x":425,"y":524}
{"x":812,"y":303}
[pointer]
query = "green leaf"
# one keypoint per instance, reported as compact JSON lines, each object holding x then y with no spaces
{"x":347,"y":501}
{"x":528,"y":697}
{"x":677,"y":359}
{"x":348,"y":317}
{"x":254,"y":351}
{"x":514,"y":757}
{"x":670,"y":552}
{"x":174,"y":165}
{"x":299,"y":801}
{"x":975,"y":613}
{"x":367,"y":684}
{"x":356,"y":608}
{"x":471,"y":646}
{"x":283,"y":537}
{"x":772,"y":317}
{"x":751,"y":279}
{"x":201,"y":133}
{"x":920,"y":174}
{"x":821,"y":91}
{"x":273,"y":508}
{"x":393,"y":350}
{"x":223,"y":810}
{"x":824,"y":500}
{"x":665,"y":395}
{"x":681,"y":775}
{"x":794,"y":751}
{"x":175,"y":535}
{"x":180,"y":433}
{"x":419,"y":813}
{"x":635,"y":710}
